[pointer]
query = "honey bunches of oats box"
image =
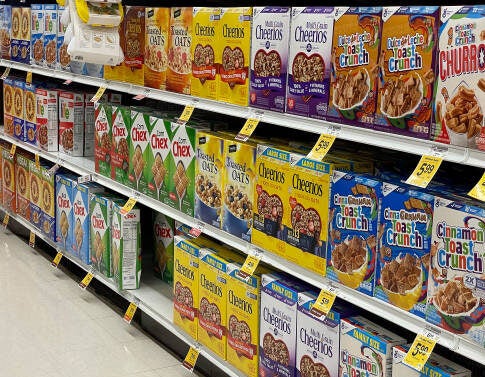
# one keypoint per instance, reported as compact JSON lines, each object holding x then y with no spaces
{"x":35,"y":194}
{"x":64,"y":204}
{"x":163,"y":233}
{"x":22,"y":182}
{"x":102,"y":138}
{"x":157,"y":22}
{"x":120,"y":132}
{"x":48,"y":203}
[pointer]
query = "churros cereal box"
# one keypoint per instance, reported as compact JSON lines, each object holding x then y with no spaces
{"x":22,"y":183}
{"x":355,"y":70}
{"x":8,"y":105}
{"x":64,"y":214}
{"x":8,"y":181}
{"x":354,"y":214}
{"x":156,"y":47}
{"x":309,"y":61}
{"x":103,"y":138}
{"x":35,"y":180}
{"x":37,"y":53}
{"x":460,"y":82}
{"x":15,"y":36}
{"x":404,"y":240}
{"x":407,"y":65}
{"x":159,"y":159}
{"x":120,"y":139}
{"x":25,"y":31}
{"x":163,"y":235}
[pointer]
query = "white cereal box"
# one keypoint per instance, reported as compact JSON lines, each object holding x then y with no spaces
{"x":71,"y":123}
{"x":37,"y":54}
{"x":50,"y":35}
{"x":64,"y":216}
{"x":63,"y":59}
{"x":47,"y":119}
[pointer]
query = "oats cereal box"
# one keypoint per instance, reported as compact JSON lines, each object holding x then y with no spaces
{"x":157,"y":22}
{"x":8,"y":105}
{"x":103,"y":138}
{"x":50,"y":35}
{"x":269,"y":57}
{"x":8,"y":181}
{"x":163,"y":233}
{"x":235,"y":50}
{"x":37,"y":52}
{"x":36,"y":183}
{"x":64,"y":214}
{"x":404,"y":240}
{"x":63,"y":59}
{"x":71,"y":123}
{"x":352,"y":233}
{"x":365,"y":348}
{"x":5,"y":30}
{"x":18,"y":109}
{"x":456,"y":281}
{"x":407,"y":65}
{"x":30,"y":114}
{"x":460,"y":81}
{"x":47,"y":119}
{"x":309,"y":62}
{"x":157,"y":169}
{"x":120,"y":132}
{"x":355,"y":70}
{"x":22,"y":183}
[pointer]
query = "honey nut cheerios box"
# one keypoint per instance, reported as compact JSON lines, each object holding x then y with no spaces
{"x":22,"y":182}
{"x":8,"y":181}
{"x":157,"y":22}
{"x":37,"y":52}
{"x":36,"y":183}
{"x":48,"y":203}
{"x":163,"y":238}
{"x":30,"y":113}
{"x":460,"y":81}
{"x":18,"y":109}
{"x":103,"y":115}
{"x":353,"y":230}
{"x":120,"y":141}
{"x":235,"y":52}
{"x":47,"y":119}
{"x":355,"y":70}
{"x":8,"y":105}
{"x":407,"y":70}
{"x":64,"y":211}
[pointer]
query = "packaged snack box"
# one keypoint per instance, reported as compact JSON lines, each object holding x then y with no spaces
{"x":456,"y":280}
{"x":459,"y":90}
{"x":8,"y":181}
{"x":5,"y":30}
{"x":18,"y":109}
{"x":22,"y":183}
{"x":89,"y":124}
{"x":64,"y":213}
{"x":48,"y":206}
{"x":25,"y":33}
{"x":71,"y":123}
{"x":407,"y":64}
{"x":157,"y":22}
{"x":47,"y":123}
{"x":8,"y":105}
{"x":269,"y":57}
{"x":366,"y":348}
{"x":133,"y":27}
{"x":50,"y":35}
{"x":353,"y":230}
{"x":30,"y":113}
{"x":355,"y":70}
{"x":15,"y":39}
{"x":36,"y":183}
{"x":310,"y":61}
{"x":103,"y":138}
{"x":63,"y":59}
{"x":404,"y":240}
{"x":120,"y":132}
{"x":37,"y":52}
{"x":163,"y":233}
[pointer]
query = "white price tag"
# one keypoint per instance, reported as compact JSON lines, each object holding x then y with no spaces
{"x":85,"y":178}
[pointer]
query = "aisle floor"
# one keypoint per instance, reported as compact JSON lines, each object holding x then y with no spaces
{"x":51,"y":328}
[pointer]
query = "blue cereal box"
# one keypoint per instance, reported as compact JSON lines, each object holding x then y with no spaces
{"x":50,"y":35}
{"x":354,"y":213}
{"x":64,"y":202}
{"x":37,"y":35}
{"x":404,"y":240}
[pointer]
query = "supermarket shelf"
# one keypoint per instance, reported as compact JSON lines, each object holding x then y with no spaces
{"x":397,"y":142}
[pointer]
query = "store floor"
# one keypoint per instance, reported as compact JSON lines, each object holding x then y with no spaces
{"x":49,"y":327}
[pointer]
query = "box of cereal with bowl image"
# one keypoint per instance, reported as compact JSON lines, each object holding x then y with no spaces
{"x":22,"y":183}
{"x":8,"y":105}
{"x":47,"y":119}
{"x":37,"y":53}
{"x":64,"y":211}
{"x":103,"y":138}
{"x":163,"y":237}
{"x":35,"y":179}
{"x":120,"y":150}
{"x":50,"y":35}
{"x":15,"y":36}
{"x":48,"y":203}
{"x":18,"y":109}
{"x":30,"y":113}
{"x":8,"y":181}
{"x":71,"y":123}
{"x":63,"y":59}
{"x":157,"y":22}
{"x":5,"y":30}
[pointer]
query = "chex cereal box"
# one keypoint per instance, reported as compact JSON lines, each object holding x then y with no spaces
{"x":235,"y":52}
{"x":5,"y":30}
{"x":50,"y":35}
{"x":355,"y":70}
{"x":435,"y":366}
{"x":36,"y":183}
{"x":269,"y":57}
{"x":48,"y":203}
{"x":163,"y":237}
{"x":71,"y":123}
{"x":47,"y":116}
{"x":81,"y":219}
{"x":63,"y":59}
{"x":366,"y":348}
{"x":64,"y":211}
{"x":404,"y":240}
{"x":30,"y":113}
{"x":8,"y":181}
{"x":460,"y":83}
{"x":120,"y":139}
{"x":456,"y":280}
{"x":103,"y":122}
{"x":157,"y":22}
{"x":157,"y":169}
{"x":8,"y":105}
{"x":352,"y":233}
{"x":37,"y":52}
{"x":22,"y":184}
{"x":407,"y":70}
{"x":18,"y":109}
{"x":309,"y":62}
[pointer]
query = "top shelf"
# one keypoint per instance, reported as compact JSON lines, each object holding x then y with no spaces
{"x":397,"y":142}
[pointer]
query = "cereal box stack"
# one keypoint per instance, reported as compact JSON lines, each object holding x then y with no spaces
{"x":35,"y":179}
{"x":37,"y":54}
{"x":22,"y":183}
{"x":163,"y":234}
{"x":8,"y":105}
{"x":18,"y":109}
{"x":407,"y":64}
{"x":8,"y":181}
{"x":120,"y":139}
{"x":48,"y":203}
{"x":64,"y":214}
{"x":156,"y":47}
{"x":102,"y":138}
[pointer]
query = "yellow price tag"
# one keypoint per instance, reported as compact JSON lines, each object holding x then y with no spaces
{"x":186,"y":114}
{"x":421,"y":349}
{"x":425,"y":171}
{"x":324,"y":302}
{"x":130,"y":312}
{"x":250,"y":265}
{"x":86,"y":280}
{"x":28,"y":78}
{"x":37,"y":161}
{"x":6,"y":73}
{"x":13,"y":148}
{"x":32,"y":239}
{"x":322,"y":147}
{"x":99,"y":93}
{"x":130,"y":203}
{"x":191,"y":358}
{"x":57,"y":259}
{"x":478,"y":191}
{"x":5,"y":220}
{"x":247,"y":129}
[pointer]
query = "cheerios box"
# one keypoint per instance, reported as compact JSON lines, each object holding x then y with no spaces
{"x":103,"y":121}
{"x":8,"y":181}
{"x":30,"y":113}
{"x":309,"y":58}
{"x":157,"y":22}
{"x":8,"y":95}
{"x":71,"y":123}
{"x":460,"y":84}
{"x":15,"y":36}
{"x":404,"y":240}
{"x":36,"y":183}
{"x":22,"y":182}
{"x":50,"y":35}
{"x":407,"y":70}
{"x":120,"y":132}
{"x":353,"y":230}
{"x":456,"y":281}
{"x":25,"y":30}
{"x":48,"y":203}
{"x":47,"y":122}
{"x":37,"y":52}
{"x":163,"y":245}
{"x":18,"y":109}
{"x":366,"y":348}
{"x":64,"y":211}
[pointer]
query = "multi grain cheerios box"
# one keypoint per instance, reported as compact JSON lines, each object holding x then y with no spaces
{"x":460,"y":83}
{"x":8,"y":181}
{"x":71,"y":123}
{"x":269,"y":57}
{"x":30,"y":113}
{"x":157,"y":22}
{"x":456,"y":281}
{"x":355,"y":70}
{"x":64,"y":211}
{"x":407,"y":63}
{"x":50,"y":35}
{"x":366,"y":348}
{"x":35,"y":180}
{"x":309,"y":61}
{"x":352,"y":233}
{"x":18,"y":109}
{"x":37,"y":52}
{"x":63,"y":59}
{"x":404,"y":240}
{"x":103,"y":138}
{"x":22,"y":182}
{"x":163,"y":237}
{"x":48,"y":203}
{"x":8,"y":105}
{"x":47,"y":122}
{"x":120,"y":150}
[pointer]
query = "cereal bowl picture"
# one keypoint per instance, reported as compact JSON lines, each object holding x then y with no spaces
{"x":8,"y":99}
{"x":50,"y":52}
{"x":308,"y":68}
{"x":308,"y":368}
{"x":17,"y":102}
{"x":156,"y":58}
{"x":238,"y":211}
{"x":46,"y":196}
{"x":271,"y":207}
{"x":267,"y":64}
{"x":7,"y":174}
{"x":401,"y":96}
{"x":276,"y":350}
{"x":349,"y":260}
{"x":308,"y":225}
{"x":208,"y":199}
{"x":38,"y":50}
{"x":351,"y":89}
{"x":30,"y":106}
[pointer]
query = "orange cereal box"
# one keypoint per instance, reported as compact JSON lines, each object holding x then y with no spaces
{"x":156,"y":47}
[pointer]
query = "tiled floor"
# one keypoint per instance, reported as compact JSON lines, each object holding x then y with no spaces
{"x":51,"y":328}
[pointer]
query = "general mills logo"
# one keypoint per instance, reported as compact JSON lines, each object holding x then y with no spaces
{"x":445,"y":13}
{"x":309,"y":47}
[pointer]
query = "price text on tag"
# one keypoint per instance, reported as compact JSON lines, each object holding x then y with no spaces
{"x":322,"y":147}
{"x":28,"y":78}
{"x":6,"y":73}
{"x":425,"y":171}
{"x":421,"y":349}
{"x":250,"y":265}
{"x":186,"y":114}
{"x":99,"y":93}
{"x":57,"y":259}
{"x":191,"y":358}
{"x":130,"y":312}
{"x":5,"y":220}
{"x":86,"y":280}
{"x":247,"y":129}
{"x":32,"y":239}
{"x":13,"y":148}
{"x":478,"y":191}
{"x":324,"y":302}
{"x":130,"y":203}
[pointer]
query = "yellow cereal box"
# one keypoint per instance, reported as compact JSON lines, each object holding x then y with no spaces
{"x":235,"y":54}
{"x":206,"y":57}
{"x":157,"y":22}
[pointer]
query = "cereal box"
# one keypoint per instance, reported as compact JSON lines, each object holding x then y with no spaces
{"x":158,"y":159}
{"x":8,"y":181}
{"x":156,"y":47}
{"x":435,"y":366}
{"x":18,"y":109}
{"x":22,"y":184}
{"x":365,"y":348}
{"x":81,"y":219}
{"x":24,"y":42}
{"x":269,"y":57}
{"x":163,"y":233}
{"x":103,"y":138}
{"x":36,"y":183}
{"x":15,"y":39}
{"x":47,"y":123}
{"x":355,"y":70}
{"x":306,"y":212}
{"x":134,"y":29}
{"x":456,"y":280}
{"x":71,"y":123}
{"x":63,"y":59}
{"x":48,"y":203}
{"x":64,"y":213}
{"x":30,"y":113}
{"x":89,"y":124}
{"x":352,"y":234}
{"x":460,"y":84}
{"x":235,"y":50}
{"x":126,"y":246}
{"x":37,"y":55}
{"x":310,"y":54}
{"x":5,"y":30}
{"x":179,"y":59}
{"x":407,"y":64}
{"x":50,"y":35}
{"x":8,"y":105}
{"x":120,"y":132}
{"x":404,"y":240}
{"x":206,"y":56}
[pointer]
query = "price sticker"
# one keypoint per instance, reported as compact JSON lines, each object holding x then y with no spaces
{"x":322,"y":147}
{"x":130,"y":312}
{"x":13,"y":148}
{"x":186,"y":114}
{"x":191,"y":358}
{"x":250,"y":264}
{"x":247,"y":129}
{"x":324,"y":302}
{"x":6,"y":219}
{"x":99,"y":93}
{"x":143,"y":95}
{"x":5,"y":73}
{"x":53,"y":169}
{"x":478,"y":191}
{"x":32,"y":239}
{"x":85,"y":178}
{"x":425,"y":171}
{"x":421,"y":349}
{"x":57,"y":259}
{"x":37,"y":161}
{"x":130,"y":203}
{"x":67,"y":82}
{"x":83,"y":284}
{"x":28,"y":78}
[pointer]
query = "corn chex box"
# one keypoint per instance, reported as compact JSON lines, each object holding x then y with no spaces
{"x":163,"y":234}
{"x":64,"y":214}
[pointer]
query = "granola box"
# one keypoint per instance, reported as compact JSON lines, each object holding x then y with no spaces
{"x":37,"y":53}
{"x":30,"y":113}
{"x":36,"y":183}
{"x":50,"y":35}
{"x":5,"y":30}
{"x":8,"y":181}
{"x":48,"y":203}
{"x":102,"y":138}
{"x":8,"y":105}
{"x":64,"y":211}
{"x":460,"y":83}
{"x":353,"y":230}
{"x":71,"y":123}
{"x":63,"y":59}
{"x":18,"y":109}
{"x":120,"y":132}
{"x":47,"y":123}
{"x":456,"y":281}
{"x":269,"y":57}
{"x":157,"y":22}
{"x":22,"y":184}
{"x":404,"y":240}
{"x":355,"y":70}
{"x":310,"y":53}
{"x":407,"y":63}
{"x":366,"y":348}
{"x":163,"y":238}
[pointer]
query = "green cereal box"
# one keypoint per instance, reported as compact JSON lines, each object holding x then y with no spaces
{"x":121,"y":127}
{"x":102,"y":138}
{"x":163,"y":233}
